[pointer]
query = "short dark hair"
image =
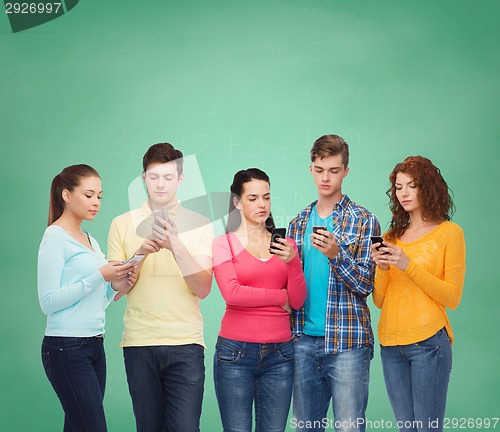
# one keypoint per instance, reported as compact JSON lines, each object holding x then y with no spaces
{"x":330,"y":145}
{"x":162,"y":153}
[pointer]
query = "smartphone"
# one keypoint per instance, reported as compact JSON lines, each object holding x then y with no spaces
{"x":136,"y":259}
{"x":160,"y":214}
{"x":378,"y":239}
{"x":276,"y":234}
{"x":316,"y":228}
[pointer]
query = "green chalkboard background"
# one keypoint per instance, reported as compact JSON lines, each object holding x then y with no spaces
{"x":238,"y":84}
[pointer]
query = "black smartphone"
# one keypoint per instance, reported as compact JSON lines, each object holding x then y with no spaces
{"x":276,"y":234}
{"x":316,"y":228}
{"x":378,"y":239}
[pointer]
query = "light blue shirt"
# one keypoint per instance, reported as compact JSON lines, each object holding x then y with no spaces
{"x":71,"y":290}
{"x":316,"y":272}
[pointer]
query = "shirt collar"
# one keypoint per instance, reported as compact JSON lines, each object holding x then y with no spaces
{"x":147,"y":211}
{"x":343,"y":203}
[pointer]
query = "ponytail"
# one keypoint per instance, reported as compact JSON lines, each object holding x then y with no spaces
{"x":56,"y":203}
{"x":68,"y":178}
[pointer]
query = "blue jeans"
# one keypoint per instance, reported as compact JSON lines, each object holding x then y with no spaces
{"x":416,"y":377}
{"x":319,"y":377}
{"x":246,"y":373}
{"x":76,"y":368}
{"x":166,"y":386}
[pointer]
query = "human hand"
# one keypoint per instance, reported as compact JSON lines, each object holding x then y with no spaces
{"x":126,"y":284}
{"x":324,"y":241}
{"x":378,"y":254}
{"x":283,"y":250}
{"x":116,"y":271}
{"x":164,"y":233}
{"x":394,"y":256}
{"x":286,"y":307}
{"x":148,"y":246}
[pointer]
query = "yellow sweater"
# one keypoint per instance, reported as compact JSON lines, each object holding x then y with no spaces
{"x":414,"y":301}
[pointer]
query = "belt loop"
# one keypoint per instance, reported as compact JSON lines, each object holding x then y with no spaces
{"x":243,"y":349}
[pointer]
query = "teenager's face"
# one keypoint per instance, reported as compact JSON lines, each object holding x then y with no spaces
{"x":328,"y":174}
{"x":162,"y":181}
{"x":255,"y":202}
{"x":85,"y":200}
{"x":407,"y":192}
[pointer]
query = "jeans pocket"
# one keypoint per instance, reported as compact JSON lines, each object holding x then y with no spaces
{"x":433,"y":342}
{"x":46,"y":363}
{"x":286,"y":351}
{"x":425,"y":346}
{"x":225,"y":354}
{"x":62,"y":343}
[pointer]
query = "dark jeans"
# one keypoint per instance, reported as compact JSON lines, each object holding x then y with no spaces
{"x":76,"y":368}
{"x":166,"y":386}
{"x":247,"y":374}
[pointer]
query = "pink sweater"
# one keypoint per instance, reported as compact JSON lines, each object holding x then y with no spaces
{"x":253,"y":292}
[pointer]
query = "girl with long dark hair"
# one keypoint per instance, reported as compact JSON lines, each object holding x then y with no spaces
{"x":254,"y":362}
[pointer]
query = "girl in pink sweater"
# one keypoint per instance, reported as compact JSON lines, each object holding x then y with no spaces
{"x":253,"y":362}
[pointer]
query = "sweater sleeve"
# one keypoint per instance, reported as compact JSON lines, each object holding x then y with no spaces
{"x":448,"y":290}
{"x":234,"y":293}
{"x":296,"y":284}
{"x":52,"y":295}
{"x":109,"y":292}
{"x":380,"y":288}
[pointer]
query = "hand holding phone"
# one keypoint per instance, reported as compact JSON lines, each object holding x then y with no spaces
{"x":163,"y":214}
{"x":319,"y":227}
{"x":116,"y":271}
{"x":136,"y":259}
{"x":378,"y":239}
{"x":276,"y":234}
{"x":317,"y":237}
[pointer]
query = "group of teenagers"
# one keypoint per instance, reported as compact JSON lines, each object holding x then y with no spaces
{"x":296,"y":318}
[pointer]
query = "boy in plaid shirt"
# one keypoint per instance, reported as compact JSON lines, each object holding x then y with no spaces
{"x":334,"y":339}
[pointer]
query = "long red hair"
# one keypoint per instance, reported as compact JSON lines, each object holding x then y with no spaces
{"x":434,"y":194}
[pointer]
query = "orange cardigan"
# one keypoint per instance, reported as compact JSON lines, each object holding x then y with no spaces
{"x":414,"y":301}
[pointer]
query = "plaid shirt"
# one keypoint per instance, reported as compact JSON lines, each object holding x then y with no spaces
{"x":350,"y":281}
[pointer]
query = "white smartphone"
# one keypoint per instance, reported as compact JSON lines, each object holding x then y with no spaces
{"x":160,"y":214}
{"x":136,"y":259}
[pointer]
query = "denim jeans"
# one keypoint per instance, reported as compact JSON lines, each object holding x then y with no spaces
{"x":342,"y":378}
{"x":251,"y":373}
{"x":166,"y":386}
{"x":416,"y":377}
{"x":76,"y":368}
